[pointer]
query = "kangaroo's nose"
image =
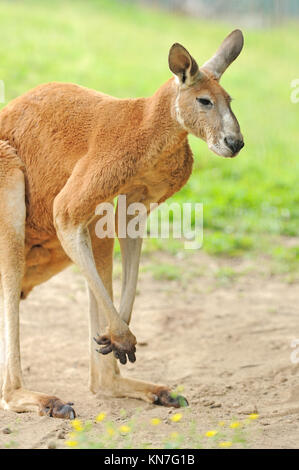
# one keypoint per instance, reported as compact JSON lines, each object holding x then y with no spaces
{"x":233,"y":144}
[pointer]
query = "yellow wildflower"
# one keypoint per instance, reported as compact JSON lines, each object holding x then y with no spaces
{"x":110,"y":431}
{"x":174,"y":435}
{"x":253,"y":416}
{"x":221,"y":423}
{"x":100,"y":417}
{"x":155,"y":421}
{"x":225,"y":444}
{"x":177,"y":417}
{"x":211,"y":433}
{"x":72,"y":443}
{"x":235,"y":424}
{"x":77,"y":425}
{"x":125,"y":429}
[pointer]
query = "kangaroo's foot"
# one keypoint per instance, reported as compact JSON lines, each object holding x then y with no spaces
{"x":121,"y":346}
{"x":22,"y":400}
{"x":120,"y":387}
{"x":57,"y":409}
{"x":167,"y":398}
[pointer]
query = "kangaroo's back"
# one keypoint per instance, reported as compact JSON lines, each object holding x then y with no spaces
{"x":52,"y":118}
{"x":50,"y":128}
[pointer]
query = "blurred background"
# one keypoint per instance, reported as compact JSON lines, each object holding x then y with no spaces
{"x":251,"y":203}
{"x":252,"y":12}
{"x":218,"y":322}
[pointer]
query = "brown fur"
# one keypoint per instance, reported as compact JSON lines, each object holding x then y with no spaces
{"x":74,"y":148}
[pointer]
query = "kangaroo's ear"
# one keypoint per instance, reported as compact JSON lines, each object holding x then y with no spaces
{"x":182,"y":64}
{"x":226,"y":54}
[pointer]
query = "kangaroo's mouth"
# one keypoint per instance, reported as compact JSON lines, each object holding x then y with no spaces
{"x":221,"y":151}
{"x":224,"y":151}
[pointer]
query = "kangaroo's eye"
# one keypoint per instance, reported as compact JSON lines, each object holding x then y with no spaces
{"x":204,"y":101}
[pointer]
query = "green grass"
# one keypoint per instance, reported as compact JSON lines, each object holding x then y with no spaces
{"x":130,"y":430}
{"x":165,"y":271}
{"x":122,"y":50}
{"x":178,"y":430}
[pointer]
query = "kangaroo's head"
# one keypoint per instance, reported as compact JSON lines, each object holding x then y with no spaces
{"x":202,"y":106}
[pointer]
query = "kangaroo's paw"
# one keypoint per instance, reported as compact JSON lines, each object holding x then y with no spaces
{"x":122,"y":346}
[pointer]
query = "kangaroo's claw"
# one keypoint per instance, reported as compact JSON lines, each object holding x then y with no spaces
{"x":165,"y":398}
{"x":121,"y":352}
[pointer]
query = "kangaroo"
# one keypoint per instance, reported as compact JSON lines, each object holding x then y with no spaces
{"x":63,"y":150}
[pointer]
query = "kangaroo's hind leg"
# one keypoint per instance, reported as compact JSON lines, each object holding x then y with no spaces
{"x":12,"y":265}
{"x":105,"y":375}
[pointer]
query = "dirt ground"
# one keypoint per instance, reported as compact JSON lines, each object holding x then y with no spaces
{"x":226,"y":340}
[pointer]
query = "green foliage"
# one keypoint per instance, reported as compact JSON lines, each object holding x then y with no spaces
{"x":165,"y":271}
{"x":121,"y":49}
{"x":177,"y":431}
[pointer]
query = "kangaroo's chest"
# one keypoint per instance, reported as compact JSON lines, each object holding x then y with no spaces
{"x":168,"y":174}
